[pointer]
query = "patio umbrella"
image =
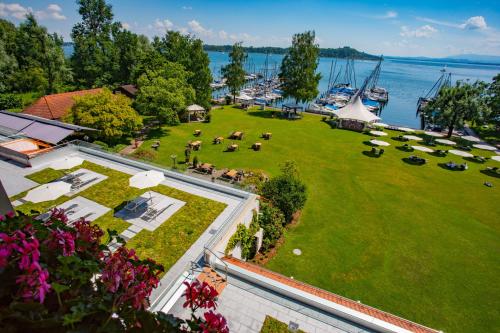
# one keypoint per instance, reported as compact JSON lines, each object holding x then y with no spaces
{"x":484,"y":147}
{"x":380,"y":125}
{"x":471,"y":138}
{"x":422,"y":148}
{"x":496,"y":158}
{"x":146,"y":179}
{"x":46,"y":192}
{"x":378,"y":133}
{"x":434,"y":134}
{"x":406,"y":129}
{"x":460,"y":153}
{"x":446,"y":142}
{"x":412,"y":137}
{"x":379,"y":143}
{"x":66,"y":163}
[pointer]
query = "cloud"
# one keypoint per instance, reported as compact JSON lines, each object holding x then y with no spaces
{"x":53,"y":12}
{"x":390,"y":14}
{"x":472,"y":23}
{"x":162,"y":25}
{"x":223,"y":35}
{"x":196,"y":28}
{"x":187,"y":8}
{"x":14,"y":10}
{"x":126,"y":25}
{"x":424,"y":31}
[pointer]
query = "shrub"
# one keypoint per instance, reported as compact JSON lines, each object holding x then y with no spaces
{"x":208,"y":117}
{"x":271,"y":220}
{"x":187,"y":155}
{"x":195,"y":161}
{"x":102,"y":144}
{"x":56,"y":277}
{"x":244,"y":236}
{"x":10,"y":101}
{"x":228,"y":99}
{"x":286,"y":191}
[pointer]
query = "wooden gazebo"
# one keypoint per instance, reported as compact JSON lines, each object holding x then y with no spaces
{"x":196,"y":113}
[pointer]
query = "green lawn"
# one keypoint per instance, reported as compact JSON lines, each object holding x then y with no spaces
{"x":418,"y":241}
{"x":168,"y":242}
{"x":272,"y":325}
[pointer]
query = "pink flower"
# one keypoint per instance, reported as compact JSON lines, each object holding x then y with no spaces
{"x":200,"y":295}
{"x":33,"y":283}
{"x":60,"y":239}
{"x":214,"y":323}
{"x":57,"y":214}
{"x":10,"y":214}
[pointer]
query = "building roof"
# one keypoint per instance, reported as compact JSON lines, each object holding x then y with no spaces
{"x":56,"y":106}
{"x":51,"y":131}
{"x":195,"y":107}
{"x":355,"y":110}
{"x":130,"y":89}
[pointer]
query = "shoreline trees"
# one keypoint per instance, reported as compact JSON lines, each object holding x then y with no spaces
{"x":234,"y":72}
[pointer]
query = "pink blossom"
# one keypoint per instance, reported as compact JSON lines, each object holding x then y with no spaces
{"x":60,"y":239}
{"x":33,"y":283}
{"x":10,"y":214}
{"x":214,"y":323}
{"x":200,"y":295}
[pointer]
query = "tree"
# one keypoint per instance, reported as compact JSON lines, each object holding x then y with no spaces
{"x":494,"y":99}
{"x":59,"y":277}
{"x":456,"y":104}
{"x":165,"y":93}
{"x":271,"y":220}
{"x":188,"y":51}
{"x":298,"y":68}
{"x":111,"y":114}
{"x":286,"y":191}
{"x":234,"y":73}
{"x":92,"y":58}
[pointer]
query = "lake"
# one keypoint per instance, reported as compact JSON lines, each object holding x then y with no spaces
{"x":405,"y":79}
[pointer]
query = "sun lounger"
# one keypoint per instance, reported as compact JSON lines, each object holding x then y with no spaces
{"x":137,"y":203}
{"x":154,"y":211}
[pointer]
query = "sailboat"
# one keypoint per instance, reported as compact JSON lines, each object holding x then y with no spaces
{"x":443,"y":81}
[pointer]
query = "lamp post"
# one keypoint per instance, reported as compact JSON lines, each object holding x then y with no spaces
{"x":174,"y":158}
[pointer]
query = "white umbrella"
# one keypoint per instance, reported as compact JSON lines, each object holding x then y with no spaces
{"x":471,"y":138}
{"x":412,"y":137}
{"x":434,"y":134}
{"x":460,"y":153}
{"x":446,"y":142}
{"x":380,"y":125}
{"x":66,"y":163}
{"x":496,"y":158}
{"x":380,"y":143}
{"x":46,"y":192}
{"x":406,"y":129}
{"x":146,"y":179}
{"x":378,"y":133}
{"x":422,"y":148}
{"x":484,"y":147}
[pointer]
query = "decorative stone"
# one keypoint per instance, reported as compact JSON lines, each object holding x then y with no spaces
{"x":297,"y":252}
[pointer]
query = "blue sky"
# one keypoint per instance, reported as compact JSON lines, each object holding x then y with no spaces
{"x":403,"y":28}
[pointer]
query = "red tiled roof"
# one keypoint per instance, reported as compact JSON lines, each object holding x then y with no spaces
{"x":56,"y":106}
{"x":379,"y":314}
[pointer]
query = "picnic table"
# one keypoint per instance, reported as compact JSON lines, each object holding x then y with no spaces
{"x":196,"y":145}
{"x":232,"y":147}
{"x":218,"y":140}
{"x":206,"y":168}
{"x":267,"y":135}
{"x":257,"y":146}
{"x":197,"y":132}
{"x":237,"y":135}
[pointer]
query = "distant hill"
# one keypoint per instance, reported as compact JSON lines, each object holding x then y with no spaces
{"x":341,"y":52}
{"x":491,"y":59}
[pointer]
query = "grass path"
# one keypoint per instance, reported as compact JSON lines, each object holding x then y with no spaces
{"x":418,"y":241}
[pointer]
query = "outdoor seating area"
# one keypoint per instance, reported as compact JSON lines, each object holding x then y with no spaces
{"x":454,"y":166}
{"x":231,"y":175}
{"x":267,"y":135}
{"x":155,"y":145}
{"x":195,"y":145}
{"x":82,"y":179}
{"x":256,"y":146}
{"x":78,"y":208}
{"x":218,"y":140}
{"x":233,"y":147}
{"x":377,"y":152}
{"x":149,"y":210}
{"x":205,"y":168}
{"x":413,"y":159}
{"x":237,"y":135}
{"x":197,"y":132}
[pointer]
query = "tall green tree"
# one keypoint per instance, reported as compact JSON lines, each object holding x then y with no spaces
{"x":234,"y":73}
{"x":457,"y":104}
{"x":165,"y":93}
{"x":111,"y":114}
{"x":93,"y":60}
{"x":494,"y":99}
{"x":298,"y":68}
{"x":188,"y":51}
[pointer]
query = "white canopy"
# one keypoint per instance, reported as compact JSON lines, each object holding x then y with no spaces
{"x":380,"y":143}
{"x":406,"y":129}
{"x":356,"y":110}
{"x":46,"y":192}
{"x":484,"y":147}
{"x":422,"y":148}
{"x":378,"y":133}
{"x":434,"y":134}
{"x":146,"y":179}
{"x":446,"y":142}
{"x":66,"y":163}
{"x":380,"y":125}
{"x":496,"y":158}
{"x":460,"y":153}
{"x":412,"y":137}
{"x":195,"y":107}
{"x":471,"y":138}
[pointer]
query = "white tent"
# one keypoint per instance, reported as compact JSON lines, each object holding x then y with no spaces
{"x":195,"y":107}
{"x":46,"y":192}
{"x":146,"y":179}
{"x":357,"y":111}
